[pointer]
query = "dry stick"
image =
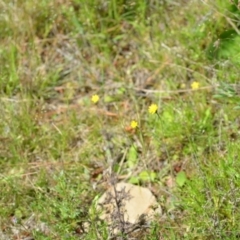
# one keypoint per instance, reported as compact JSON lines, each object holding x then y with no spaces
{"x":149,"y":79}
{"x":175,"y":91}
{"x":118,"y":201}
{"x":149,"y":91}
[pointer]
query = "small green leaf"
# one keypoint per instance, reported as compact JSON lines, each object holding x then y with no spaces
{"x":108,"y":99}
{"x":121,"y":91}
{"x":167,"y":116}
{"x":147,"y":176}
{"x":144,"y":176}
{"x":132,"y":156}
{"x":18,"y":213}
{"x":181,"y":179}
{"x":134,"y":180}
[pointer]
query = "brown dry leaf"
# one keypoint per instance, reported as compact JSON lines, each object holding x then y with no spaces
{"x":170,"y":182}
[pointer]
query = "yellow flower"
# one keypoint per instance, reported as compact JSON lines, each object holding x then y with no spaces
{"x":134,"y":124}
{"x":95,"y":98}
{"x":153,"y":108}
{"x":195,"y":85}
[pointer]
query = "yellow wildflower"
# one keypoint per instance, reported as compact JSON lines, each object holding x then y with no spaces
{"x":134,"y":124}
{"x":153,"y":108}
{"x":95,"y":98}
{"x":195,"y":85}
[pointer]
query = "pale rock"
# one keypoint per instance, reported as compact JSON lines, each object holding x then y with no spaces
{"x":138,"y":203}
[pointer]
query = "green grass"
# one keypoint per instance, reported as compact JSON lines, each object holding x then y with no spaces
{"x":56,"y":144}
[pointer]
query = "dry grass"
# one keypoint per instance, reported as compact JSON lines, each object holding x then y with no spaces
{"x":56,"y":145}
